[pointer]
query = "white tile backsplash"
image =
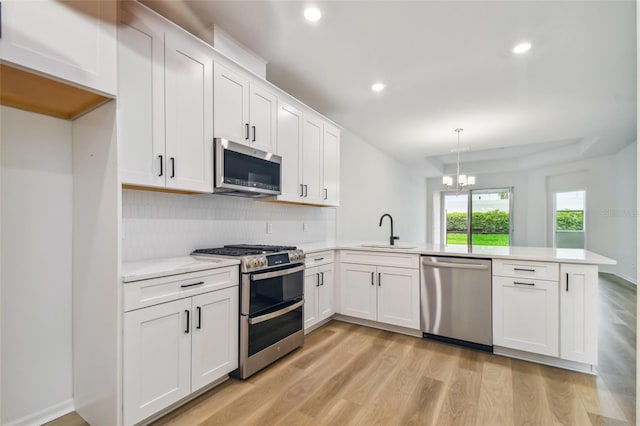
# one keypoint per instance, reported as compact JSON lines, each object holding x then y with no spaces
{"x":156,"y":224}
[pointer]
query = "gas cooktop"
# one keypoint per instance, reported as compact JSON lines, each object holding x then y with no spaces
{"x":256,"y":257}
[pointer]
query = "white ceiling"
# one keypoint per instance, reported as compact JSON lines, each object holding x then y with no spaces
{"x":446,"y":64}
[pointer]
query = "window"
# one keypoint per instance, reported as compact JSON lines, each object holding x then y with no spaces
{"x":480,"y":217}
{"x":569,"y":220}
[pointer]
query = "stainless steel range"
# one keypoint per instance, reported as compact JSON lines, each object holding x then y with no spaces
{"x":271,"y":302}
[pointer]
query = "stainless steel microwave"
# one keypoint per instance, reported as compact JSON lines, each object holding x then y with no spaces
{"x":244,"y":171}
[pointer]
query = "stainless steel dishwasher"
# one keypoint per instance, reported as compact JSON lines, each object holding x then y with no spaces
{"x":455,"y":300}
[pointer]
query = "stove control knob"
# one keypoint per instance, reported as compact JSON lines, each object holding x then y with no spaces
{"x":252,"y":263}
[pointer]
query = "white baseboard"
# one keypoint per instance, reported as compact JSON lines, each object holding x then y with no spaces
{"x":45,"y":415}
{"x":547,"y":360}
{"x":626,"y":278}
{"x":378,"y":325}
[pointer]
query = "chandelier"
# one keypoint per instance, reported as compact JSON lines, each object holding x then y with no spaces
{"x":462,"y":181}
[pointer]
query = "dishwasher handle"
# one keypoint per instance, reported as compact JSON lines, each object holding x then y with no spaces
{"x":426,"y":262}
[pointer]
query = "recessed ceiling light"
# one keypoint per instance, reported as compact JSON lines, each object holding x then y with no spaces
{"x":378,"y":87}
{"x":522,"y":47}
{"x":312,"y":14}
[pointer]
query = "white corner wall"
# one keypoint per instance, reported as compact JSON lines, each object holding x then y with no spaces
{"x":36,"y":220}
{"x":625,"y":212}
{"x":371,"y":184}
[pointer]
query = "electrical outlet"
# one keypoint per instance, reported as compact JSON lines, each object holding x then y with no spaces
{"x":304,"y":227}
{"x":269,"y":228}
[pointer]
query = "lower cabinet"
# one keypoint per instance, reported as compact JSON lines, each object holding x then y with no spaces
{"x":525,"y":315}
{"x":554,"y":317}
{"x":579,"y":313}
{"x":175,"y":348}
{"x":318,"y":290}
{"x":385,"y":294}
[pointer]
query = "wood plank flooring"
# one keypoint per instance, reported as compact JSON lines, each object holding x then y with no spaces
{"x":351,"y":375}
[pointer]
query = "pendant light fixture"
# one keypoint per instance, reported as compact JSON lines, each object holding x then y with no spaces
{"x":462,"y":181}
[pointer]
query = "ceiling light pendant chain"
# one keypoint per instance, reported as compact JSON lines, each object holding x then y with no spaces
{"x":462,"y":181}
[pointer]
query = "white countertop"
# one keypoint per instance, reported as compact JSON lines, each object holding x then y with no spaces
{"x":544,"y":254}
{"x":154,"y":268}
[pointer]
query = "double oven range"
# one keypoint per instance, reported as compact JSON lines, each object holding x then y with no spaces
{"x":271,"y":302}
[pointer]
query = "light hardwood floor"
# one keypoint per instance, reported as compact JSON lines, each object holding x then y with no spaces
{"x":347,"y":374}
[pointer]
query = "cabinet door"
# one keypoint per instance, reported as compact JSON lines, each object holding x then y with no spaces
{"x":331,"y":166}
{"x":263,"y":117}
{"x":231,"y":105}
{"x":289,"y":143}
{"x":525,"y":315}
{"x":358,"y":291}
{"x":579,"y":313}
{"x":325,"y":292}
{"x":215,"y":336}
{"x":157,"y":358}
{"x":189,"y":115}
{"x":311,"y":284}
{"x":399,"y":296}
{"x":72,"y":40}
{"x":312,"y":159}
{"x":141,"y":99}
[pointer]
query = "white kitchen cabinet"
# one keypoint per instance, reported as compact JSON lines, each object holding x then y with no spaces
{"x":331,"y":166}
{"x":525,"y":315}
{"x":579,"y":313}
{"x":157,"y":359}
{"x":399,"y":296}
{"x":311,"y":159}
{"x":188,"y":113}
{"x":289,"y":145}
{"x":318,"y":294}
{"x":245,"y":111}
{"x":215,"y":336}
{"x":165,"y":107}
{"x":141,"y":106}
{"x":71,"y":41}
{"x":385,"y":294}
{"x":174,"y":348}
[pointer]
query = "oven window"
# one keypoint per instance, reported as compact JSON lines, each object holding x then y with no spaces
{"x":245,"y":170}
{"x":267,"y":294}
{"x":266,"y":333}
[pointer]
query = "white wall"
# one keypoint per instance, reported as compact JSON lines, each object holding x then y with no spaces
{"x":156,"y":224}
{"x":611,"y":199}
{"x":626,"y":212}
{"x":36,"y":265}
{"x":371,"y":184}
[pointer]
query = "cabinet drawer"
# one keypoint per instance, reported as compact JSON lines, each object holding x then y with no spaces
{"x":140,"y":294}
{"x":318,"y":258}
{"x":526,"y":269}
{"x":380,"y":258}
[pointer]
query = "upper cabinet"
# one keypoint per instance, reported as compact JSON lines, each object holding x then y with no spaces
{"x":310,"y":151}
{"x":165,"y":104}
{"x":245,"y":111}
{"x":72,"y":41}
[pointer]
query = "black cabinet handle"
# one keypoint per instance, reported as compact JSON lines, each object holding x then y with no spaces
{"x":523,"y":269}
{"x":521,"y":283}
{"x":192,"y":285}
{"x":305,"y":190}
{"x":317,"y":280}
{"x":161,"y":171}
{"x":199,"y":326}
{"x":301,"y":190}
{"x":326,"y":194}
{"x":379,"y":279}
{"x":254,"y":133}
{"x":372,"y":275}
{"x":173,"y":167}
{"x":567,"y":283}
{"x":186,"y":330}
{"x":0,"y":19}
{"x":246,"y":131}
{"x":321,"y":278}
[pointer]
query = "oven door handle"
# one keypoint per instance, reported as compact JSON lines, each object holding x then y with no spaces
{"x":280,"y":273}
{"x":276,"y":314}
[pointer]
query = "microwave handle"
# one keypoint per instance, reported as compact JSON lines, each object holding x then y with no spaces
{"x":280,"y":273}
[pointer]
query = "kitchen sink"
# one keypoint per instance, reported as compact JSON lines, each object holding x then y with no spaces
{"x":388,"y":246}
